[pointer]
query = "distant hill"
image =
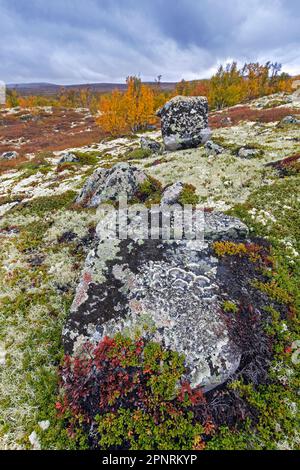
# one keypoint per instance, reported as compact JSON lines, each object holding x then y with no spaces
{"x":50,"y":89}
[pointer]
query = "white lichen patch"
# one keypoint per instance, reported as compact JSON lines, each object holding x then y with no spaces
{"x":60,"y":267}
{"x":34,"y":441}
{"x":44,"y":425}
{"x":17,"y":220}
{"x":6,"y":207}
{"x":77,"y":223}
{"x":114,"y":147}
{"x":39,"y":186}
{"x":32,"y":312}
{"x":278,"y":100}
{"x":35,"y":298}
{"x":2,"y":355}
{"x":225,"y":180}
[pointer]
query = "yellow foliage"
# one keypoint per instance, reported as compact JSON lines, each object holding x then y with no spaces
{"x":230,"y":85}
{"x":128,"y":112}
{"x":113,"y":111}
{"x":226,"y":248}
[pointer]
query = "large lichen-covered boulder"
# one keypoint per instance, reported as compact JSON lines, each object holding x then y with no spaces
{"x":164,"y":290}
{"x":184,"y":122}
{"x":107,"y":184}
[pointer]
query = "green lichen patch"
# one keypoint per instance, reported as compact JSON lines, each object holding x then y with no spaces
{"x":188,"y":195}
{"x":43,"y":205}
{"x":275,"y":103}
{"x":138,"y":154}
{"x":40,"y":265}
{"x":41,"y":163}
{"x":88,"y":158}
{"x":149,"y":192}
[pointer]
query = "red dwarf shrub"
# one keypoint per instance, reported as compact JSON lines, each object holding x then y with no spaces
{"x":131,"y":394}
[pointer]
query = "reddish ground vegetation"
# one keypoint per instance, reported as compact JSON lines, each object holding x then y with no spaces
{"x":63,"y":129}
{"x":122,"y":374}
{"x":122,"y":391}
{"x":7,"y":165}
{"x":66,"y":128}
{"x":245,"y":113}
{"x":287,"y":166}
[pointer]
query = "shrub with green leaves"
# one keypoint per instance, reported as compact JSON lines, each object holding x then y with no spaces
{"x":230,"y":307}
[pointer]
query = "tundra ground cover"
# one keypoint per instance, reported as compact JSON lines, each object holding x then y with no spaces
{"x":44,"y":240}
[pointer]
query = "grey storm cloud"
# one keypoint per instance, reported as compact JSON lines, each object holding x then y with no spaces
{"x":72,"y":41}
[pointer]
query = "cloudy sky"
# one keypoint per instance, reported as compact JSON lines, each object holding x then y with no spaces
{"x":79,"y":41}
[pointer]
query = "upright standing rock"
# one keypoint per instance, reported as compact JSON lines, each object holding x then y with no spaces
{"x":184,"y":122}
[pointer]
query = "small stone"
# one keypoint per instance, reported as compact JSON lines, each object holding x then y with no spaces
{"x":150,"y":144}
{"x":2,"y":356}
{"x":9,"y":156}
{"x":248,"y":153}
{"x":219,"y":226}
{"x":213,"y":149}
{"x":34,"y":441}
{"x":289,"y":120}
{"x":172,"y":193}
{"x":68,"y":158}
{"x":44,"y":425}
{"x":226,"y":121}
{"x":26,"y":117}
{"x":107,"y":184}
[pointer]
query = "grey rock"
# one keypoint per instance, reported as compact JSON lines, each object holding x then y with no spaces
{"x":150,"y":144}
{"x":289,"y":120}
{"x":9,"y":156}
{"x":27,"y":117}
{"x":151,"y":127}
{"x":107,"y":184}
{"x":219,"y":226}
{"x":184,"y":122}
{"x":213,"y":149}
{"x":171,"y":193}
{"x":166,"y":291}
{"x":34,"y":441}
{"x":245,"y":152}
{"x":68,"y":158}
{"x":226,"y":121}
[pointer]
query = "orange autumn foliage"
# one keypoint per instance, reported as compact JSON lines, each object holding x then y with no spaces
{"x":127,"y":112}
{"x":113,"y":113}
{"x":231,"y":85}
